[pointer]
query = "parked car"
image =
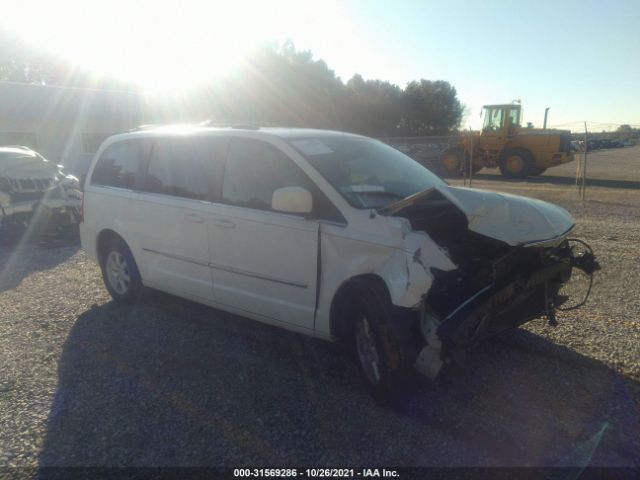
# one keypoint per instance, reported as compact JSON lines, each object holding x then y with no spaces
{"x":577,"y":146}
{"x":329,"y":234}
{"x":606,"y":143}
{"x":33,"y":188}
{"x":593,"y":145}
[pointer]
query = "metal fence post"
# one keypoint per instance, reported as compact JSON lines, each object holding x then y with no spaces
{"x":470,"y":158}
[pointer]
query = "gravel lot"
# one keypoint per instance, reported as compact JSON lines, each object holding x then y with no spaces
{"x":84,"y":381}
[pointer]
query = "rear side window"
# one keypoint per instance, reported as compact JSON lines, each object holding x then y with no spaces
{"x":184,"y":167}
{"x":254,"y":171}
{"x":119,"y":164}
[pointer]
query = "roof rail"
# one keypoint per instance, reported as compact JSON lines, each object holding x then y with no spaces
{"x":208,"y":123}
{"x":145,"y":126}
{"x":238,"y":125}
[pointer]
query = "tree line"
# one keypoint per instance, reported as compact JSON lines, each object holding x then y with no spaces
{"x":276,"y":85}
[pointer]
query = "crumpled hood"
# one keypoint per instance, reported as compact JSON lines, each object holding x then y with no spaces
{"x":512,"y":219}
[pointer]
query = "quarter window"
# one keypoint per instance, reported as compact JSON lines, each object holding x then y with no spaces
{"x":118,"y":165}
{"x":254,"y":171}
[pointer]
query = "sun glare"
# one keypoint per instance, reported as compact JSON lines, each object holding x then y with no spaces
{"x":162,"y":46}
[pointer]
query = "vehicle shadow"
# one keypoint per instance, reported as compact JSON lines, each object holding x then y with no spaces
{"x":558,"y":180}
{"x":171,"y":383}
{"x":21,"y":255}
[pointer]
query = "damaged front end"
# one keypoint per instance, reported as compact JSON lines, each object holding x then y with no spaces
{"x":512,"y":258}
{"x":35,"y":193}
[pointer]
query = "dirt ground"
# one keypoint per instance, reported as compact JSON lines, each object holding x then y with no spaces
{"x":87,"y":382}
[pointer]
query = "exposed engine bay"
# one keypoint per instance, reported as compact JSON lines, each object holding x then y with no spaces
{"x":500,"y":282}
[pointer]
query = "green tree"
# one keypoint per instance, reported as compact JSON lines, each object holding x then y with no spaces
{"x":374,"y":107}
{"x":430,"y":108}
{"x":274,"y":85}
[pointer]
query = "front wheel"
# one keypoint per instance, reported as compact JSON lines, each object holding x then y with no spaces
{"x":377,"y":347}
{"x":516,"y":163}
{"x":120,"y":272}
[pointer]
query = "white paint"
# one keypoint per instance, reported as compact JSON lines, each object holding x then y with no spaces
{"x":292,"y":200}
{"x":512,"y":219}
{"x":264,"y":264}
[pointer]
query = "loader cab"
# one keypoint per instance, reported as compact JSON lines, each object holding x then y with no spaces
{"x":501,"y":119}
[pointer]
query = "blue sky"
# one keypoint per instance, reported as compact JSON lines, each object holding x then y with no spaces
{"x":580,"y":58}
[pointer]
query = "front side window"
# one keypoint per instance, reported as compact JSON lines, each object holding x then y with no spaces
{"x":177,"y":167}
{"x":492,"y":119}
{"x":254,"y":171}
{"x":366,"y":172}
{"x":119,"y":164}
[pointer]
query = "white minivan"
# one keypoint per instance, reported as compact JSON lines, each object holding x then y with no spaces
{"x":326,"y":233}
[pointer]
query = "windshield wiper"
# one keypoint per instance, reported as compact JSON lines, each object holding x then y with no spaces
{"x":403,"y":202}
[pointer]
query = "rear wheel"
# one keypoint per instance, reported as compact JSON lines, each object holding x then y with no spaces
{"x":120,"y":272}
{"x":515,"y":163}
{"x":452,"y":162}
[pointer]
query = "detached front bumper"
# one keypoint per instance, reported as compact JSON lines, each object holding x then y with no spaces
{"x":504,"y":303}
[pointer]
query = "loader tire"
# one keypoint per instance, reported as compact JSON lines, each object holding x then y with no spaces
{"x":516,"y":163}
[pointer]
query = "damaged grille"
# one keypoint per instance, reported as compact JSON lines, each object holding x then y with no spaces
{"x":507,"y":302}
{"x":452,"y":289}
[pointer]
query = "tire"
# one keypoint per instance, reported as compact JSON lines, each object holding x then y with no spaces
{"x":120,"y":272}
{"x":450,"y":163}
{"x":377,"y":348}
{"x":515,"y":163}
{"x":537,"y":171}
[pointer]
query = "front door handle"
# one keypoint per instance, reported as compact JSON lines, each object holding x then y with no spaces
{"x":194,"y":218}
{"x":224,"y":223}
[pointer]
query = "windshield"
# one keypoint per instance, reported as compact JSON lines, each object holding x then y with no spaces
{"x":492,"y":119}
{"x":366,"y":172}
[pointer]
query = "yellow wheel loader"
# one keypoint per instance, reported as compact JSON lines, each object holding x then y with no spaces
{"x":518,"y":152}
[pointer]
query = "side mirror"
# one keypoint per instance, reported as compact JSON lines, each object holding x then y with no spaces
{"x":292,"y":200}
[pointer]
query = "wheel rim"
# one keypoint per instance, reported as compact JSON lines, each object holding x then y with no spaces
{"x":515,"y":163}
{"x":367,"y":351}
{"x":451,"y":162}
{"x":118,"y":272}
